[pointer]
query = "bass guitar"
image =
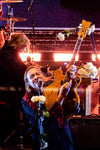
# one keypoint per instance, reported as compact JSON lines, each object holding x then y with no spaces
{"x":51,"y":91}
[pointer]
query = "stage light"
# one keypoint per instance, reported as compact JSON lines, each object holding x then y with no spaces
{"x":36,"y":56}
{"x":30,"y":56}
{"x":64,"y":57}
{"x":98,"y":55}
{"x":23,"y":56}
{"x":94,"y":57}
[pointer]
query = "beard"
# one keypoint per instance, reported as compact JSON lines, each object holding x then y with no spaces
{"x":37,"y":91}
{"x":33,"y":92}
{"x":36,"y":88}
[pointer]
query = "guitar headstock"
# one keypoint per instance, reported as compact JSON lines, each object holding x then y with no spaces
{"x":85,"y":28}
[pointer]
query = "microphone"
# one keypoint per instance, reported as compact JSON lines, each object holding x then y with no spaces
{"x":29,"y":6}
{"x":40,"y":85}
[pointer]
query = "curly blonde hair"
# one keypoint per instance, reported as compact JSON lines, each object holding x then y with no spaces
{"x":18,"y":40}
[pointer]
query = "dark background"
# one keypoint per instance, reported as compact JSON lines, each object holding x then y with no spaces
{"x":55,"y":13}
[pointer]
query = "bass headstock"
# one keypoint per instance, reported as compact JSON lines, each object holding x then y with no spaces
{"x":85,"y":28}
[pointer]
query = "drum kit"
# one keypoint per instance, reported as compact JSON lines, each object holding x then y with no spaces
{"x":10,"y":18}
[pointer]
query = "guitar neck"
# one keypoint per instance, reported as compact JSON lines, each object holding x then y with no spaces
{"x":72,"y":62}
{"x":83,"y":31}
{"x":75,"y":51}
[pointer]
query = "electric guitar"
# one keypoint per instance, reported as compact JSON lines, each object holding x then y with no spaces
{"x":51,"y":91}
{"x":85,"y":28}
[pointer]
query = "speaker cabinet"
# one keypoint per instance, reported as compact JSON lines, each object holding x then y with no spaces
{"x":85,"y":133}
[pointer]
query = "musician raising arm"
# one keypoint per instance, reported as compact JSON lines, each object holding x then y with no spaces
{"x":56,"y":127}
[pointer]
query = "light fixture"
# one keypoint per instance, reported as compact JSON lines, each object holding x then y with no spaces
{"x":64,"y":57}
{"x":94,"y":57}
{"x":32,"y":56}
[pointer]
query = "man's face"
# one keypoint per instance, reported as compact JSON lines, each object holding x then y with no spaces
{"x":34,"y":77}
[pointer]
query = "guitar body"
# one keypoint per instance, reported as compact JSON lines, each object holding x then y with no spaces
{"x":51,"y":91}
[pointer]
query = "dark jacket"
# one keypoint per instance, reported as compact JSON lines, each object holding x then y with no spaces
{"x":56,"y":126}
{"x":11,"y":76}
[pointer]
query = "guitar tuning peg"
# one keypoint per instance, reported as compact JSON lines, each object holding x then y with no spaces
{"x":80,"y":26}
{"x":89,"y":31}
{"x":93,"y":28}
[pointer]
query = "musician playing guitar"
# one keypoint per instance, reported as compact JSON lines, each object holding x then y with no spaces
{"x":51,"y":92}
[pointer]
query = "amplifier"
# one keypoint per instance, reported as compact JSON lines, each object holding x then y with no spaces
{"x":85,"y":132}
{"x":90,"y":119}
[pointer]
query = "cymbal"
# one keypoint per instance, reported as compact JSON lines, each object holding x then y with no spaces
{"x":11,"y":1}
{"x":17,"y":19}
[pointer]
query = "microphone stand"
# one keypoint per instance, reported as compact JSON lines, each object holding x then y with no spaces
{"x":40,"y":119}
{"x":32,"y":14}
{"x":39,"y":123}
{"x":29,"y":6}
{"x":41,"y":109}
{"x":33,"y":42}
